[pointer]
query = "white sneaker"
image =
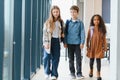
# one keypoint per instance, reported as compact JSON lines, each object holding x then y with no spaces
{"x":46,"y":77}
{"x":53,"y":78}
{"x":80,"y":76}
{"x":72,"y":75}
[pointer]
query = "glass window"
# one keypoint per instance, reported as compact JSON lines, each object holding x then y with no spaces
{"x":8,"y":16}
{"x":106,"y":10}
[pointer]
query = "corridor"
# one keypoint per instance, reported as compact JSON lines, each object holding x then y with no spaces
{"x":21,"y":34}
{"x":64,"y":73}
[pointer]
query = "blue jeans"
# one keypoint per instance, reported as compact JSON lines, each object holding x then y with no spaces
{"x":51,"y":60}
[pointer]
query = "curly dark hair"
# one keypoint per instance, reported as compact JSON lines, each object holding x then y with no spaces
{"x":101,"y":27}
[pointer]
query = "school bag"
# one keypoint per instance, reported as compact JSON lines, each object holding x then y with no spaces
{"x":62,"y":31}
{"x":67,"y":24}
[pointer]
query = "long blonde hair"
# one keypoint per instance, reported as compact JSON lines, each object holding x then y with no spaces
{"x":50,"y":21}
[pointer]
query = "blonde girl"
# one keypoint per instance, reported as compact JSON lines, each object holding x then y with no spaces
{"x":52,"y":33}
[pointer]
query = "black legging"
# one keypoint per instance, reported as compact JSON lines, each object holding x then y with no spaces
{"x":98,"y":60}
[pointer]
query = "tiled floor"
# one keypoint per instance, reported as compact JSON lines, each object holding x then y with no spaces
{"x":64,"y":70}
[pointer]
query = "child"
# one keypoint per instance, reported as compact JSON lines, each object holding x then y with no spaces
{"x":96,"y":43}
{"x":51,"y":42}
{"x":74,"y":40}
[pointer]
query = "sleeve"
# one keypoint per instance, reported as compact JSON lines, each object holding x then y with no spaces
{"x":82,"y":34}
{"x":104,"y":43}
{"x":45,"y":35}
{"x":88,"y":39}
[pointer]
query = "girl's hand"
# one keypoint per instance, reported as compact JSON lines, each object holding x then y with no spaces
{"x":62,"y":35}
{"x":88,"y":49}
{"x":46,"y":46}
{"x":81,"y":46}
{"x":65,"y":45}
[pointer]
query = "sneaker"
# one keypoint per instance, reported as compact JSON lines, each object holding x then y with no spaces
{"x":72,"y":75}
{"x":53,"y":78}
{"x":80,"y":76}
{"x":46,"y":77}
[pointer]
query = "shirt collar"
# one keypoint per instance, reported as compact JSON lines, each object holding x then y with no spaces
{"x":77,"y":20}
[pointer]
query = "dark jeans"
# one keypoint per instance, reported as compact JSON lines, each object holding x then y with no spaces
{"x":98,"y":60}
{"x":74,"y":50}
{"x":52,"y":58}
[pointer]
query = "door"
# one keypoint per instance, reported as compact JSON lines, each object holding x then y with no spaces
{"x":17,"y":39}
{"x":1,"y":36}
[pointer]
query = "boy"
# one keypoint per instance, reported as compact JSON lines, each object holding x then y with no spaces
{"x":74,"y":41}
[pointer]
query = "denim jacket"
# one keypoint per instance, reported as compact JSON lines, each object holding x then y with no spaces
{"x":75,"y":32}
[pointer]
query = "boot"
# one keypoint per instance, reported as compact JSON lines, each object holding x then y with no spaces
{"x":98,"y":76}
{"x":91,"y":73}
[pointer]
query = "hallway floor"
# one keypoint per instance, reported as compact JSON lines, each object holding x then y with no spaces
{"x":64,"y":73}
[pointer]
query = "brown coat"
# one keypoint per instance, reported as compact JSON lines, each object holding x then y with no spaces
{"x":96,"y":44}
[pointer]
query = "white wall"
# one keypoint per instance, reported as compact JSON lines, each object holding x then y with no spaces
{"x":64,"y":6}
{"x":80,"y":4}
{"x":88,"y":12}
{"x":118,"y":43}
{"x":91,"y":7}
{"x":98,"y":7}
{"x":115,"y":41}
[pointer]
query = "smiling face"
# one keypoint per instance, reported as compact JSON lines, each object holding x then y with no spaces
{"x":74,"y":14}
{"x":55,"y":13}
{"x":96,"y":21}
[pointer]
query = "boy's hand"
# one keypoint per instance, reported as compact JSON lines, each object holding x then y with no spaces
{"x":81,"y":46}
{"x":65,"y":45}
{"x":46,"y":46}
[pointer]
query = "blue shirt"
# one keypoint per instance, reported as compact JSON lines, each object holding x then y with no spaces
{"x":75,"y":33}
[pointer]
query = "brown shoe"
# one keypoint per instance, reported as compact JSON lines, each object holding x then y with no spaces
{"x":91,"y":73}
{"x":98,"y":76}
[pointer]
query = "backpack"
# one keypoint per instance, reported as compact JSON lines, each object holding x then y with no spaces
{"x":67,"y":24}
{"x":62,"y":30}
